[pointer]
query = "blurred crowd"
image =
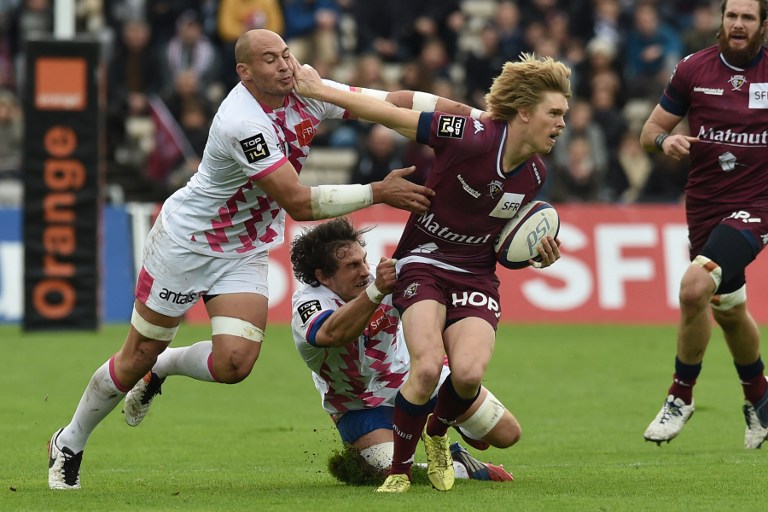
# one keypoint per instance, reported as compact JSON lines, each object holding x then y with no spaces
{"x":170,"y":62}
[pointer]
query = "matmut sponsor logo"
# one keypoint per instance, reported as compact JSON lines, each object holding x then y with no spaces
{"x":60,"y":83}
{"x":428,"y":223}
{"x":731,"y":137}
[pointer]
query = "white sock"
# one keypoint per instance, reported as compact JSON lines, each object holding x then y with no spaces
{"x":191,"y":361}
{"x":458,"y":468}
{"x":100,"y":397}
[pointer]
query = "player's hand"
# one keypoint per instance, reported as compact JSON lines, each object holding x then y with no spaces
{"x":549,"y":250}
{"x":306,"y":80}
{"x":678,"y":146}
{"x":385,"y":275}
{"x":397,"y":191}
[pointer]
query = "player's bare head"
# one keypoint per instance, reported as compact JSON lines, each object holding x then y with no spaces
{"x":742,"y":30}
{"x":320,"y":248}
{"x":522,"y":84}
{"x":254,"y":42}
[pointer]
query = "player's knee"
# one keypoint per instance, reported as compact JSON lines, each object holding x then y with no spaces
{"x":468,"y":378}
{"x":505,"y":434}
{"x":695,"y":290}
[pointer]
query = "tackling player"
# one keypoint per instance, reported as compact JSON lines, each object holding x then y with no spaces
{"x":346,"y":330}
{"x":486,"y":168}
{"x":211,"y":241}
{"x":722,"y":91}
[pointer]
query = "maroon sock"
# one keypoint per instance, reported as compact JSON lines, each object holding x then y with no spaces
{"x":755,"y":388}
{"x":449,"y":406}
{"x":682,"y":389}
{"x":408,"y":422}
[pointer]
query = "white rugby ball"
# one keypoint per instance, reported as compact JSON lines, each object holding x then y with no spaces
{"x":517,"y":241}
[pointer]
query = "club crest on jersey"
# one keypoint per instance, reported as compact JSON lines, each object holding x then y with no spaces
{"x":255,"y":148}
{"x":737,"y":81}
{"x":451,"y":126}
{"x":494,"y":188}
{"x":411,"y":291}
{"x":307,"y":309}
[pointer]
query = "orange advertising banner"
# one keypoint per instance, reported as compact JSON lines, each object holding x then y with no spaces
{"x":620,"y":264}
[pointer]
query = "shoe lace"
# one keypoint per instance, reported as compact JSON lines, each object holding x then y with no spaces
{"x":750,"y":416}
{"x":153,"y":389}
{"x":71,"y":466}
{"x":669,"y":410}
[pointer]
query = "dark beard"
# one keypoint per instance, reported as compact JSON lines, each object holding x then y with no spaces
{"x":739,"y":58}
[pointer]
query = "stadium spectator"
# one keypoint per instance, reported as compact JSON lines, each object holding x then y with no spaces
{"x":506,"y":19}
{"x":651,"y":50}
{"x":351,"y":342}
{"x":726,"y":209}
{"x":575,"y":177}
{"x":32,"y":19}
{"x":237,"y":17}
{"x":382,"y":152}
{"x":434,"y":19}
{"x":703,"y":30}
{"x":594,"y":157}
{"x":11,"y":144}
{"x":482,"y":66}
{"x":432,"y":265}
{"x":190,"y":50}
{"x":198,"y":249}
{"x":311,"y":30}
{"x":380,"y":27}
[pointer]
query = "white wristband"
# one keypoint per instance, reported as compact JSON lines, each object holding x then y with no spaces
{"x":374,"y":294}
{"x":424,"y":102}
{"x":475,"y":113}
{"x":336,"y":200}
{"x":374,"y":93}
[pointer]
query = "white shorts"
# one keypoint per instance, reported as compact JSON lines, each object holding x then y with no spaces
{"x":173,"y":278}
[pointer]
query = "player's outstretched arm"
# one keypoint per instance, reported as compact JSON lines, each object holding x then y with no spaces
{"x":425,"y":102}
{"x":325,"y":201}
{"x":308,"y":83}
{"x":347,"y":323}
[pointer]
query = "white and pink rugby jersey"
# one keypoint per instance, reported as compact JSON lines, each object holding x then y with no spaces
{"x":222,"y":211}
{"x":363,"y":374}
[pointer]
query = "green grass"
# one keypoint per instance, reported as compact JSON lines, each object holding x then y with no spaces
{"x":583,"y":394}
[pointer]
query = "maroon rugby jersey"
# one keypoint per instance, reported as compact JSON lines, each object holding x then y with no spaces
{"x":474,"y":197}
{"x":727,"y":109}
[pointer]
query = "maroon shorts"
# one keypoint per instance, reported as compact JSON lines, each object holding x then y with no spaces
{"x":463,"y":294}
{"x":753,"y":221}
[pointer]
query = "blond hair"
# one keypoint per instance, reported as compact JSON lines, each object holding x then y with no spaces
{"x":522,"y":84}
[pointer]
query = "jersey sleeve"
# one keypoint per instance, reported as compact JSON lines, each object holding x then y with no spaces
{"x":255,"y":146}
{"x":308,"y":313}
{"x":675,"y":98}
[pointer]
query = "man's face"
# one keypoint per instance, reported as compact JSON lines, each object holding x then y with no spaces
{"x":741,"y":33}
{"x":269,"y":72}
{"x":352,"y":274}
{"x":546,"y":121}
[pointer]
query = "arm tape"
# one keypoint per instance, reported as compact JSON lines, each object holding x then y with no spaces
{"x":475,"y":113}
{"x":336,"y":200}
{"x":424,"y":102}
{"x":374,"y":93}
{"x":374,"y":294}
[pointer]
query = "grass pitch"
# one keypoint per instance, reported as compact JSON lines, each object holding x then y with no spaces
{"x":583,"y":394}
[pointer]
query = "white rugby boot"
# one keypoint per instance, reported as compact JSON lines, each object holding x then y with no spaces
{"x":669,"y":421}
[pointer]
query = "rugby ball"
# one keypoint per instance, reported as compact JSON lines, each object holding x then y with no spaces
{"x":517,"y":241}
